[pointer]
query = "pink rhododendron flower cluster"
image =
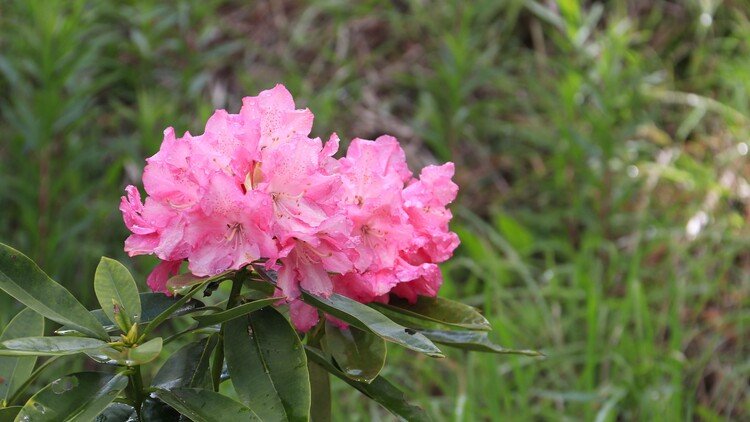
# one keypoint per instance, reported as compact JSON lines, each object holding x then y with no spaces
{"x":255,"y":187}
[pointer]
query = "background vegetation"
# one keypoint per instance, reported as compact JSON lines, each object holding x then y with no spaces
{"x":601,"y":150}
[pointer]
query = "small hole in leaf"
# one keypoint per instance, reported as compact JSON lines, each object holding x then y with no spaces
{"x":409,"y":331}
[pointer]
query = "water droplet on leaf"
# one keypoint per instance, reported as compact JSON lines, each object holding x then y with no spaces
{"x":39,"y":407}
{"x":64,"y":384}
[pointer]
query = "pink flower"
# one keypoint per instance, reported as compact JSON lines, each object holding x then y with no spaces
{"x":425,"y":201}
{"x":279,"y":121}
{"x":312,"y":257}
{"x":373,"y":175}
{"x":231,"y":229}
{"x":254,"y":187}
{"x":417,"y":280}
{"x":370,"y":286}
{"x":156,"y":229}
{"x":158,"y":278}
{"x":300,"y":192}
{"x":303,"y":316}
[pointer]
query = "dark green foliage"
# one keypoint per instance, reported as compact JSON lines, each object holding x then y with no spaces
{"x":359,"y":354}
{"x":264,"y":357}
{"x":80,"y":396}
{"x":267,"y":365}
{"x":26,"y":323}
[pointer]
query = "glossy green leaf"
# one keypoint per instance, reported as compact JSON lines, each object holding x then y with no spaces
{"x":360,"y":354}
{"x":188,"y":367}
{"x":152,"y":305}
{"x":15,"y":370}
{"x":202,"y":405}
{"x":144,"y":353}
{"x":171,"y":310}
{"x":21,"y":278}
{"x":100,"y":316}
{"x":49,"y":346}
{"x":8,"y":414}
{"x":180,"y":283}
{"x":76,"y":397}
{"x":320,"y":382}
{"x":473,"y":340}
{"x":380,"y":390}
{"x":153,"y":409}
{"x":267,"y":365}
{"x":31,"y":379}
{"x":129,"y":356}
{"x":117,"y":412}
{"x":366,"y":318}
{"x":232,"y":313}
{"x":438,"y":310}
{"x":113,"y":284}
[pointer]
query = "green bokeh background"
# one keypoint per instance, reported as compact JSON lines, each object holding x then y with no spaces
{"x":601,"y":150}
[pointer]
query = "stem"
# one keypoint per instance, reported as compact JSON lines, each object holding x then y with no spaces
{"x":135,"y":388}
{"x":218,"y":364}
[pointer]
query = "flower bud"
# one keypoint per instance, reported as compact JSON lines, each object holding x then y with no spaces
{"x":121,"y":318}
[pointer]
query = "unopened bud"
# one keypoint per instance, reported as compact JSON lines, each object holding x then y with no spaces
{"x":132,"y":336}
{"x":121,"y":318}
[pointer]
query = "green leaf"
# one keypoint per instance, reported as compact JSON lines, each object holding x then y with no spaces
{"x":21,"y":390}
{"x":144,"y":353}
{"x":366,"y":318}
{"x":129,"y":356}
{"x":232,"y":313}
{"x":49,"y":346}
{"x":438,"y":310}
{"x":179,"y":283}
{"x":15,"y":370}
{"x":8,"y":414}
{"x":21,"y":278}
{"x":472,"y":340}
{"x":380,"y":390}
{"x":100,"y":316}
{"x":153,"y":409}
{"x":76,"y":397}
{"x":267,"y":365}
{"x":360,"y":354}
{"x":202,"y":405}
{"x":187,"y":367}
{"x":152,"y":305}
{"x":320,"y":381}
{"x":113,"y":284}
{"x":117,"y":412}
{"x":172,"y":309}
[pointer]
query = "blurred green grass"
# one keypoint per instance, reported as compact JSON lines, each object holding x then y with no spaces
{"x":601,"y":150}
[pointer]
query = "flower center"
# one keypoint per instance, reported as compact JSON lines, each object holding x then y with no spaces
{"x":253,"y":177}
{"x":234,"y":229}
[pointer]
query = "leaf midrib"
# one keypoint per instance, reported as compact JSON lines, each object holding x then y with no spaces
{"x":116,"y":289}
{"x":266,"y":368}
